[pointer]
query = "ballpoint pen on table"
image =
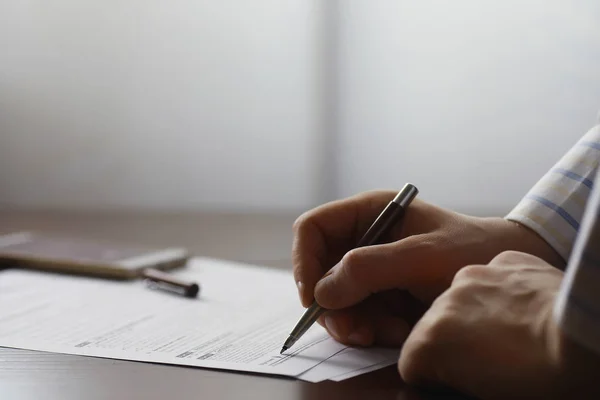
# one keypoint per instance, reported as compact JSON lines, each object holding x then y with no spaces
{"x":385,"y":221}
{"x":156,"y":279}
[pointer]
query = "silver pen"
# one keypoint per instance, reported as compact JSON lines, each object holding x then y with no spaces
{"x":394,"y":211}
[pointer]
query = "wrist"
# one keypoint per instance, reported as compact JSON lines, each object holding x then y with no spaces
{"x":509,"y":235}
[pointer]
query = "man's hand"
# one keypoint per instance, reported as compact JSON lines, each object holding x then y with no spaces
{"x":421,"y":255}
{"x":491,"y":334}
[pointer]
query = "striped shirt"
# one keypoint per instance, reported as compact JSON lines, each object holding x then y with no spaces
{"x":563,"y":207}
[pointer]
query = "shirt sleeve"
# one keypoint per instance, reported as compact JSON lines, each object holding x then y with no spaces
{"x":554,"y":206}
{"x":564,"y":208}
{"x":577,"y":308}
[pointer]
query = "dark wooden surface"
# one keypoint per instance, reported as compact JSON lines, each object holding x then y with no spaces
{"x":258,"y":239}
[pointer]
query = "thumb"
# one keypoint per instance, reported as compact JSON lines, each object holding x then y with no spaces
{"x":371,"y":269}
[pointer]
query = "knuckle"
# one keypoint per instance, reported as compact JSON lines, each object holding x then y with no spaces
{"x":352,"y":265}
{"x":456,"y":297}
{"x":468,"y":274}
{"x":351,"y":257}
{"x":508,"y":256}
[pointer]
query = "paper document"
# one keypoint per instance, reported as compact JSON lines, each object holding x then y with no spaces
{"x":239,"y":321}
{"x":364,"y":370}
{"x":351,"y":360}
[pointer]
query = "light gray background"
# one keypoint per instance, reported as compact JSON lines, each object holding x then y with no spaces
{"x":268,"y":104}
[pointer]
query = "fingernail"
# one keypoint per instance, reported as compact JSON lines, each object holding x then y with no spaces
{"x":300,"y":287}
{"x":323,"y":291}
{"x":332,"y":327}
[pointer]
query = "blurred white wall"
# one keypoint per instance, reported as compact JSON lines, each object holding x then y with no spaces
{"x":238,"y":104}
{"x":158,"y":104}
{"x":470,"y":100}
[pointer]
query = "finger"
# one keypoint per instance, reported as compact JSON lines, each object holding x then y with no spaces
{"x":402,"y":304}
{"x":372,"y":269}
{"x":323,"y":235}
{"x":390,"y":330}
{"x":426,"y":350}
{"x":365,"y":325}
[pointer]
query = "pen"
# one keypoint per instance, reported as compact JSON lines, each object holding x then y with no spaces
{"x":156,"y":279}
{"x":394,"y":211}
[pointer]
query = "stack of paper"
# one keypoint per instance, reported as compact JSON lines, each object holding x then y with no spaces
{"x":239,"y":322}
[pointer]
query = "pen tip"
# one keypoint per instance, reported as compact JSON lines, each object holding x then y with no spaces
{"x":283,"y":349}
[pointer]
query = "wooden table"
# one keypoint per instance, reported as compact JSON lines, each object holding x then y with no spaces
{"x":258,"y":239}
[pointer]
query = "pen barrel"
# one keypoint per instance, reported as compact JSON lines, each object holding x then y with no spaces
{"x":309,"y":317}
{"x":392,"y":213}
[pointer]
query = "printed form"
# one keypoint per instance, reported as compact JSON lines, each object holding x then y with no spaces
{"x":239,"y":322}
